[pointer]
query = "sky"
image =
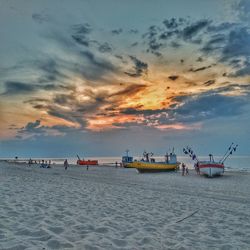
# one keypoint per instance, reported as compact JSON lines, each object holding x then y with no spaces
{"x":97,"y":77}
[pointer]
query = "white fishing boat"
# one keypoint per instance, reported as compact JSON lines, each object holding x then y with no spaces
{"x":210,"y":168}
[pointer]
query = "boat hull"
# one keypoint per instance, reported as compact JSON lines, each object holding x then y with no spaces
{"x":148,"y":167}
{"x":211,"y":169}
{"x":87,"y":163}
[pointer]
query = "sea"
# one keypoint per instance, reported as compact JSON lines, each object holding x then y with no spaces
{"x":240,"y":163}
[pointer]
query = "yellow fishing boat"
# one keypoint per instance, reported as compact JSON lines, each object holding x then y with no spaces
{"x":149,"y":165}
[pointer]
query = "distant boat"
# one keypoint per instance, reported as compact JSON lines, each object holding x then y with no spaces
{"x":126,"y":159}
{"x":86,"y":162}
{"x":210,"y":168}
{"x":149,"y":165}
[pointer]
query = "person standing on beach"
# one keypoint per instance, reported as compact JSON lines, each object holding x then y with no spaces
{"x":187,"y":173}
{"x":66,"y":164}
{"x":183,"y":169}
{"x":198,"y":169}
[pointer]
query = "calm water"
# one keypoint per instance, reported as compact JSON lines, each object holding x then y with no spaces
{"x":232,"y":163}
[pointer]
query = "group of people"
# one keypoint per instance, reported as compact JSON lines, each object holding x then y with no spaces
{"x":42,"y":163}
{"x":185,"y":171}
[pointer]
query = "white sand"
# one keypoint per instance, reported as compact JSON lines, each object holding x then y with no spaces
{"x":109,"y":208}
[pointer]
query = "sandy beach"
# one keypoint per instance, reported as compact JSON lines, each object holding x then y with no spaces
{"x":115,"y":208}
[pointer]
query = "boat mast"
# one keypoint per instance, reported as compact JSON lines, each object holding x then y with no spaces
{"x":230,"y":147}
{"x":229,"y":153}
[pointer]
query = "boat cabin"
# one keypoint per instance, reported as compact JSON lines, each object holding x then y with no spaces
{"x":127,"y":159}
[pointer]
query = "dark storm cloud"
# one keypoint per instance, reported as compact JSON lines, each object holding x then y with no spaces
{"x":32,"y":125}
{"x":130,"y":90}
{"x":16,"y":88}
{"x":215,"y":42}
{"x":237,"y":50}
{"x":221,"y":27}
{"x":105,"y":48}
{"x":82,"y":29}
{"x":210,"y":105}
{"x":209,"y":82}
{"x":173,"y":77}
{"x":96,"y":68}
{"x":82,"y":40}
{"x":201,"y":68}
{"x":50,"y":69}
{"x":151,"y":37}
{"x":173,"y":32}
{"x":243,"y":71}
{"x":184,"y":29}
{"x":190,"y":31}
{"x":139,"y":68}
{"x":35,"y":129}
{"x":238,"y":44}
{"x":117,"y":31}
{"x":63,"y":99}
{"x":81,"y":32}
{"x":174,"y":23}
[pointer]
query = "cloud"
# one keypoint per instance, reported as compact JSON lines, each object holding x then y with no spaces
{"x":105,"y":48}
{"x":81,"y":32}
{"x":116,"y":31}
{"x":201,"y":68}
{"x":36,"y":130}
{"x":237,"y":49}
{"x":238,"y":44}
{"x":173,"y":77}
{"x":17,"y":88}
{"x":208,"y":106}
{"x":130,"y":90}
{"x":133,"y":31}
{"x":174,"y":23}
{"x":190,"y":31}
{"x":192,"y":109}
{"x":139,"y":69}
{"x":20,"y":88}
{"x":209,"y":82}
{"x":32,"y":125}
{"x":243,"y":8}
{"x":216,"y":42}
{"x":151,"y":37}
{"x":173,"y":33}
{"x":40,"y":17}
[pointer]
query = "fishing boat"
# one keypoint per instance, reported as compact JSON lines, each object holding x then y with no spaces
{"x":86,"y":162}
{"x":126,"y":159}
{"x":148,"y":164}
{"x":210,"y":168}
